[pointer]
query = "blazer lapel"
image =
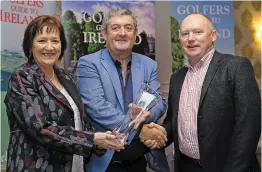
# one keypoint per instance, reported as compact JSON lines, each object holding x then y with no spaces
{"x":110,"y":67}
{"x":137,"y":74}
{"x":66,"y":81}
{"x":71,"y":88}
{"x":49,"y":87}
{"x":176,"y":90}
{"x":210,"y":74}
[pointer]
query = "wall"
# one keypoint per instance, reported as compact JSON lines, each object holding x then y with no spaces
{"x":247,"y":17}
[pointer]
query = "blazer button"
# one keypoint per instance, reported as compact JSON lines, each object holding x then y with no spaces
{"x":199,"y":116}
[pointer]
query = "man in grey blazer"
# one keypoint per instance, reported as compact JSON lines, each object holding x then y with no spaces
{"x":109,"y":81}
{"x":214,"y":106}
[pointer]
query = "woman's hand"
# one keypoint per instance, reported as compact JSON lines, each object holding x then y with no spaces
{"x":107,"y":141}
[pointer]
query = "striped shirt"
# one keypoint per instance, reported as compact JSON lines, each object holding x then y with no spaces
{"x":188,"y":106}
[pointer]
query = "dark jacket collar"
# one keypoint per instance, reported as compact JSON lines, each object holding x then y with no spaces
{"x":66,"y":79}
{"x":210,"y":74}
{"x":208,"y":78}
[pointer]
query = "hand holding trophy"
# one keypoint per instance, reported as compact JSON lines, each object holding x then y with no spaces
{"x":138,"y":112}
{"x":136,"y":120}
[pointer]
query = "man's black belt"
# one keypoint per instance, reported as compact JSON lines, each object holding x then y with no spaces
{"x":125,"y":162}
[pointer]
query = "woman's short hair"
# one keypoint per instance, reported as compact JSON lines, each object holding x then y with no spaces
{"x":36,"y":26}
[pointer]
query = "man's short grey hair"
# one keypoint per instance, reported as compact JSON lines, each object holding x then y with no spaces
{"x":119,"y":11}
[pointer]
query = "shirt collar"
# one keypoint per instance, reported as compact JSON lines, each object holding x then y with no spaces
{"x":118,"y":64}
{"x":204,"y":60}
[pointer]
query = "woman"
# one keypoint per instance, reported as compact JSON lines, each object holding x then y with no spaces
{"x":49,"y":128}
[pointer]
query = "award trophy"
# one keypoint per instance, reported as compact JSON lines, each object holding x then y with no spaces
{"x":144,"y":101}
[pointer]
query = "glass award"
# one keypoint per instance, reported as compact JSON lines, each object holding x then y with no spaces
{"x":145,"y":100}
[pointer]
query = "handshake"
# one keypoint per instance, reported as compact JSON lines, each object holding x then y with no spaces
{"x":153,"y":135}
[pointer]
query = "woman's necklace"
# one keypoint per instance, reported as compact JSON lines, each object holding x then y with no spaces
{"x":53,"y":77}
{"x":55,"y":82}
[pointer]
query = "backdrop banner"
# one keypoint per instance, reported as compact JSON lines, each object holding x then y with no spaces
{"x":82,"y":22}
